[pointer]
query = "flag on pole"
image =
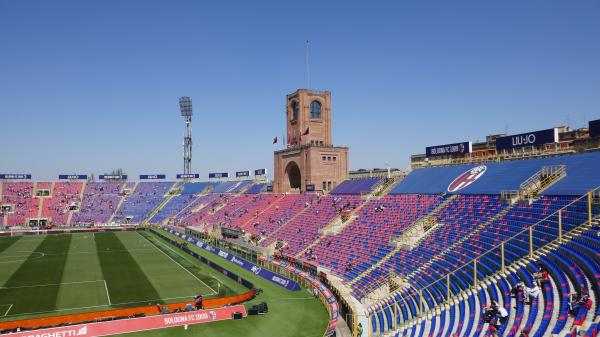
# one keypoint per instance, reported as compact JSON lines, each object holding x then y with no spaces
{"x":305,"y":132}
{"x":275,"y":140}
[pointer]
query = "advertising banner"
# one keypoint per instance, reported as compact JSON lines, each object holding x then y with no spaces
{"x":137,"y":324}
{"x":112,"y":177}
{"x":216,"y":175}
{"x":152,"y":176}
{"x":188,"y":176}
{"x":257,"y":270}
{"x":595,"y":128}
{"x":448,"y":149}
{"x":72,"y":177}
{"x":242,"y":174}
{"x":11,"y":176}
{"x":527,"y":139}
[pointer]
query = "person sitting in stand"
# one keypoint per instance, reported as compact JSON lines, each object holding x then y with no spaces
{"x":490,"y":311}
{"x":531,"y":293}
{"x":542,"y":276}
{"x":199,"y":302}
{"x":580,"y":300}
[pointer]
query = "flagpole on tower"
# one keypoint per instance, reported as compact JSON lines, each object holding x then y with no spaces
{"x":307,"y":65}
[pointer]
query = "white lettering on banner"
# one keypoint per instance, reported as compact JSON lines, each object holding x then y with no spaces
{"x":523,"y":140}
{"x":279,"y":280}
{"x":66,"y":333}
{"x":255,"y":269}
{"x":236,"y":261}
{"x":223,"y":254}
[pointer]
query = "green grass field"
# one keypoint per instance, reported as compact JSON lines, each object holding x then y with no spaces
{"x":61,"y":274}
{"x":70,"y":273}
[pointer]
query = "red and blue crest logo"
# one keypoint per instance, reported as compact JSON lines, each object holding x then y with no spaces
{"x":466,"y":178}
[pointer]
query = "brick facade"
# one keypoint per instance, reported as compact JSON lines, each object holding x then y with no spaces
{"x":310,"y":158}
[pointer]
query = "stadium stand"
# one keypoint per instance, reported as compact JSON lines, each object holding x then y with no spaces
{"x":100,"y":200}
{"x":256,"y":188}
{"x":64,"y":195}
{"x":197,"y":188}
{"x":20,"y":196}
{"x":144,"y":199}
{"x":357,"y":186}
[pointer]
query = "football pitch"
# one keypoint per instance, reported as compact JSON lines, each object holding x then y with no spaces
{"x":70,"y":273}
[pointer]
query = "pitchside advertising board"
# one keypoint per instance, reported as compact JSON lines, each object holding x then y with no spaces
{"x":137,"y":324}
{"x":257,"y":270}
{"x":217,"y":175}
{"x":152,"y":176}
{"x":242,"y":174}
{"x":15,"y":176}
{"x":188,"y":176}
{"x":113,"y":177}
{"x":527,"y":139}
{"x":72,"y":177}
{"x":448,"y":149}
{"x":595,"y":128}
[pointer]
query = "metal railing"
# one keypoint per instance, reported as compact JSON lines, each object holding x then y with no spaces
{"x":550,"y":230}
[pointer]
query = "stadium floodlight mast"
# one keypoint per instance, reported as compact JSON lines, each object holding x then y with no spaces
{"x":185,"y":105}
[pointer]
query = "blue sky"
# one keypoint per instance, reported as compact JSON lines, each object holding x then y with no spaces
{"x":88,"y":86}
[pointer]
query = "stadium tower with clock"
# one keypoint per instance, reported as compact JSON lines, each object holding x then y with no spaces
{"x":309,"y":162}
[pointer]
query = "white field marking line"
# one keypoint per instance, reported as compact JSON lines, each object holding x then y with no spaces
{"x":103,"y":305}
{"x":98,"y":252}
{"x":7,"y":310}
{"x":170,"y":258}
{"x":107,"y":295}
{"x":23,"y":258}
{"x":51,"y":284}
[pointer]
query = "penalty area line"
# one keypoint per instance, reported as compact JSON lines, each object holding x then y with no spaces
{"x":107,"y":294}
{"x":9,"y":307}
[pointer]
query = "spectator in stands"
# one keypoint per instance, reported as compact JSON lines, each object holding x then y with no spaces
{"x":524,"y":333}
{"x":579,"y":300}
{"x":531,"y":293}
{"x":542,"y":276}
{"x":199,"y":301}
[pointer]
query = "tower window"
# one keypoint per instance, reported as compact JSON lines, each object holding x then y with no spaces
{"x":295,"y":110}
{"x":315,"y":110}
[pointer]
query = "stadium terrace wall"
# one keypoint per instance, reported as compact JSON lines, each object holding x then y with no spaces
{"x":275,"y":278}
{"x":582,"y":176}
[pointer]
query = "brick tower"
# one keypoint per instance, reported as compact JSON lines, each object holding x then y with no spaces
{"x":309,"y":159}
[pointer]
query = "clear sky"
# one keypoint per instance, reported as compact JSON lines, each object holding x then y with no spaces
{"x":88,"y":86}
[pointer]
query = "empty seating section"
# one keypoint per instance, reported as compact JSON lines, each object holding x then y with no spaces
{"x":357,"y":186}
{"x":100,"y":200}
{"x":64,"y":195}
{"x":276,"y":216}
{"x":20,"y":196}
{"x":304,"y":230}
{"x":173,"y":207}
{"x":197,"y":208}
{"x":231,"y":186}
{"x":256,"y":189}
{"x":367,"y":239}
{"x":237,"y":211}
{"x":144,"y":199}
{"x":196,"y":188}
{"x":581,"y":176}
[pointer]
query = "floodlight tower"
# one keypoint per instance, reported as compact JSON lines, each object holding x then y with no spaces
{"x":185,"y":105}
